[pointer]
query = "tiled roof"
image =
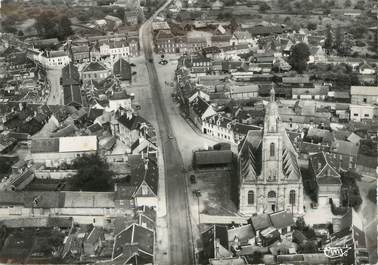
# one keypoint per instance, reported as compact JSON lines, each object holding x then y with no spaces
{"x":199,"y":106}
{"x":281,"y":219}
{"x":260,"y":222}
{"x":213,"y":157}
{"x":122,"y":68}
{"x":70,"y":75}
{"x":94,"y":66}
{"x":47,"y":145}
{"x":72,"y":95}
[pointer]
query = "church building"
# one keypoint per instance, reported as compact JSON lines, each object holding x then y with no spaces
{"x":269,"y":175}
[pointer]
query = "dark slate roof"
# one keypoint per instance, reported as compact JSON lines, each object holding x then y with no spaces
{"x":260,"y":222}
{"x":132,"y":123}
{"x":69,"y":130}
{"x":320,"y":160}
{"x":122,"y":68}
{"x":265,"y":30}
{"x":94,"y":66}
{"x":136,"y":235}
{"x":94,"y":113}
{"x":141,"y":172}
{"x":119,"y":95}
{"x":94,"y":127}
{"x":44,"y":199}
{"x":72,"y":95}
{"x":212,"y":157}
{"x":48,"y":145}
{"x":199,"y":106}
{"x":281,"y":219}
{"x":70,"y":75}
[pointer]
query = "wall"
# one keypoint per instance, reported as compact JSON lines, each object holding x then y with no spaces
{"x":54,"y":174}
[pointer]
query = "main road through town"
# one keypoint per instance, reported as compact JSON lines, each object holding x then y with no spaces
{"x":179,"y":228}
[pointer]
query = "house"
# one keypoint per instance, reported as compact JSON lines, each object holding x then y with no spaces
{"x":246,"y":91}
{"x":71,"y":83}
{"x":115,"y":49}
{"x":128,"y":127}
{"x":167,"y":42}
{"x":215,"y":243}
{"x":82,"y":53}
{"x":221,"y":40}
{"x":360,"y":113}
{"x":240,"y":236}
{"x":316,"y":93}
{"x":349,"y":233}
{"x":283,"y":221}
{"x":52,"y":152}
{"x":366,"y":69}
{"x":240,"y":37}
{"x":140,"y":188}
{"x":57,"y":59}
{"x":131,"y":17}
{"x":225,"y":128}
{"x":205,"y":159}
{"x":122,"y":70}
{"x":323,"y":167}
{"x":345,"y":154}
{"x":317,"y":55}
{"x":195,"y":42}
{"x":199,"y":110}
{"x":95,"y":71}
{"x":119,"y":100}
{"x":93,"y":240}
{"x":134,"y":245}
{"x":113,"y":20}
{"x":364,"y":94}
{"x":198,"y":65}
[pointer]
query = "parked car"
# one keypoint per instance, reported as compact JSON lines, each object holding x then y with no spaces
{"x":163,"y":62}
{"x":193,"y":179}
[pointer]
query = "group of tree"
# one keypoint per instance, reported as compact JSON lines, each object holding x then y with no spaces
{"x":299,"y":57}
{"x":350,"y":193}
{"x":49,"y":25}
{"x":339,"y":41}
{"x":93,"y":174}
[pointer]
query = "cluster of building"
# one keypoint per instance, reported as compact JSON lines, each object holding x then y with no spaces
{"x":276,"y":238}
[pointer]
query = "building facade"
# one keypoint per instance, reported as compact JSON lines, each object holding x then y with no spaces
{"x":270,"y":179}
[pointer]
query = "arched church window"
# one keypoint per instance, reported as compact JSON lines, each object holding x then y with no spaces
{"x":251,"y":197}
{"x":271,"y":149}
{"x":271,"y":194}
{"x":292,"y":197}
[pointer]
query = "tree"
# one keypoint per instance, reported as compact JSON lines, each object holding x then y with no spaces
{"x":328,"y":43}
{"x":299,"y":57}
{"x":45,"y":25}
{"x":360,"y":5}
{"x":347,"y":4}
{"x":311,"y":26}
{"x":233,"y":24}
{"x":308,"y":247}
{"x":64,"y":28}
{"x":93,"y":174}
{"x":339,"y":38}
{"x":263,"y":7}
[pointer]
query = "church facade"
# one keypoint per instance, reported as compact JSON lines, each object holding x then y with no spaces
{"x":269,"y":175}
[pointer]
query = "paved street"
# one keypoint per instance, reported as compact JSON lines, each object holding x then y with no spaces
{"x":56,"y":91}
{"x":179,"y":228}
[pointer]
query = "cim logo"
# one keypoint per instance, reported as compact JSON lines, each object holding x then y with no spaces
{"x":336,"y":252}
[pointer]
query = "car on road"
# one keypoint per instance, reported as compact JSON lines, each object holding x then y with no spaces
{"x":193,"y":179}
{"x":170,"y":136}
{"x":132,"y":64}
{"x":163,"y":62}
{"x":151,"y":60}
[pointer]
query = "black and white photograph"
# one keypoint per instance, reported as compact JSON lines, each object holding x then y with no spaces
{"x":188,"y":132}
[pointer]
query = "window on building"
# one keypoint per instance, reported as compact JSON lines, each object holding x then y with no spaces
{"x":271,"y":194}
{"x":271,"y":149}
{"x":355,"y":114}
{"x":251,"y":197}
{"x":292,"y":197}
{"x":365,"y":100}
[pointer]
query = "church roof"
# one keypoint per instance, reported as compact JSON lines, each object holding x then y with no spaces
{"x":250,"y":161}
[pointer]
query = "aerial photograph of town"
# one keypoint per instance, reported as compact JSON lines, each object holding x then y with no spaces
{"x":188,"y":132}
